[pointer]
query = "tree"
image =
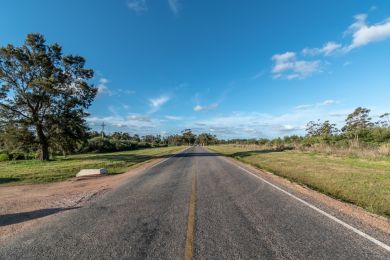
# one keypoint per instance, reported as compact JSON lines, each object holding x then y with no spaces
{"x":313,"y":128}
{"x":188,"y":136}
{"x":327,"y":129}
{"x":42,"y":89}
{"x":175,"y":139}
{"x":357,"y":121}
{"x":206,"y":139}
{"x":384,"y":120}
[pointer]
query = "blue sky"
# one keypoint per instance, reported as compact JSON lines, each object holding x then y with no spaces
{"x":232,"y":68}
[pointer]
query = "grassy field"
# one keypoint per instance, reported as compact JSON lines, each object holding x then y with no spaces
{"x":34,"y":171}
{"x":364,"y":182}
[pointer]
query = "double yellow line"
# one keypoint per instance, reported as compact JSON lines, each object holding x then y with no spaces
{"x":189,"y":249}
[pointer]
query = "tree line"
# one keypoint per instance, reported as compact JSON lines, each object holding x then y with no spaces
{"x":359,"y":130}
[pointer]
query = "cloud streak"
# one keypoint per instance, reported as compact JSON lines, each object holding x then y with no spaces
{"x":329,"y":48}
{"x":174,"y":6}
{"x":206,"y":107}
{"x":138,"y":6}
{"x":156,"y":103}
{"x":327,"y":102}
{"x":288,"y":66}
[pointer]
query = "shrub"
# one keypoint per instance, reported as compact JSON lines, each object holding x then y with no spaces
{"x":99,"y":145}
{"x":144,"y":145}
{"x":4,"y":157}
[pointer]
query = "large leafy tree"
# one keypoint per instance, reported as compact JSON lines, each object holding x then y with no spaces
{"x":43,"y":90}
{"x":206,"y":139}
{"x":323,"y":129}
{"x":188,"y":136}
{"x":356,"y":122}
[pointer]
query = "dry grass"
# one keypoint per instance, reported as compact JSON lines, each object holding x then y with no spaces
{"x":362,"y":181}
{"x":352,"y":149}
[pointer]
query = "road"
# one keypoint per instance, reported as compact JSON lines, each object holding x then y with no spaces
{"x":193,"y":205}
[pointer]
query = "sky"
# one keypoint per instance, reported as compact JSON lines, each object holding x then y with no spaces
{"x":236,"y":69}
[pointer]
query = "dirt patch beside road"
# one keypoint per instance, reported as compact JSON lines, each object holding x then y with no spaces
{"x":26,"y":205}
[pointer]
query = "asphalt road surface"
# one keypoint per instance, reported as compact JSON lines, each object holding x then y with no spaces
{"x":194,"y":205}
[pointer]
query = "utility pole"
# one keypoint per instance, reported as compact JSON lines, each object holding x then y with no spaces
{"x":103,"y":125}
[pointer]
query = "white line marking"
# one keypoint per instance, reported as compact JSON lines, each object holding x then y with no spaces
{"x":357,"y":231}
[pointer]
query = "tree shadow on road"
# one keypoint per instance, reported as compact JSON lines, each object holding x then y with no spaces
{"x":14,"y":218}
{"x":141,"y":158}
{"x":197,"y":154}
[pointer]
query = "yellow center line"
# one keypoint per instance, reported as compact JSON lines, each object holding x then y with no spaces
{"x":189,"y":249}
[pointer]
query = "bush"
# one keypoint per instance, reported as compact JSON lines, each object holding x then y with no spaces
{"x":99,"y":145}
{"x":4,"y":157}
{"x":124,"y":145}
{"x":144,"y":145}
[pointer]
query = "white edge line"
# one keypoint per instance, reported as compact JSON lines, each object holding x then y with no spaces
{"x":357,"y":231}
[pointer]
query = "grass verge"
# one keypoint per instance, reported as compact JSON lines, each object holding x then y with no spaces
{"x":363,"y":182}
{"x":34,"y":171}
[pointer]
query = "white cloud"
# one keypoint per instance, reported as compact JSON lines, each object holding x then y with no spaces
{"x":328,"y":49}
{"x":304,"y":107}
{"x":287,"y":66}
{"x":347,"y":63}
{"x":102,"y":87}
{"x":363,"y":34}
{"x":174,"y":6}
{"x":156,"y":103}
{"x":327,"y":102}
{"x":258,"y":75}
{"x":126,"y":91}
{"x":176,"y":118}
{"x":137,"y":6}
{"x":252,"y":125}
{"x":256,"y":125}
{"x":131,"y":121}
{"x":290,"y":128}
{"x":206,"y":107}
{"x":284,"y":57}
{"x":138,"y":118}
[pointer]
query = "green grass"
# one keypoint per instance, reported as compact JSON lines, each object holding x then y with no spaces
{"x":34,"y":171}
{"x":363,"y":182}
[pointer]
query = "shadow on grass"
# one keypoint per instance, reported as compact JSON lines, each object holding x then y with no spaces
{"x":8,"y":179}
{"x":15,"y":218}
{"x":254,"y":152}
